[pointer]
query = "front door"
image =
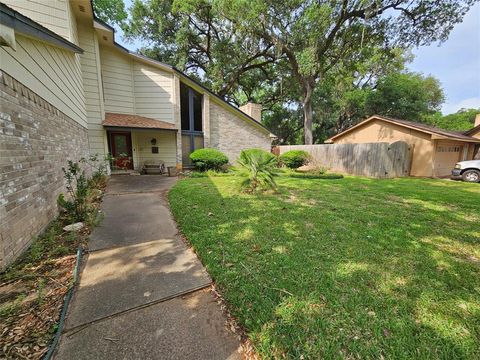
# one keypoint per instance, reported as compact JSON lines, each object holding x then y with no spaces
{"x":121,"y":146}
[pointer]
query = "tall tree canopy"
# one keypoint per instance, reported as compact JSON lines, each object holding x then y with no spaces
{"x":111,"y":11}
{"x":406,"y":96}
{"x":462,"y":120}
{"x":315,"y":36}
{"x":195,"y":37}
{"x":317,"y":65}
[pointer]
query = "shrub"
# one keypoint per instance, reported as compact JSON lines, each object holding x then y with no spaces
{"x":316,"y":176}
{"x":293,"y":159}
{"x":77,"y":207}
{"x":208,"y":159}
{"x":258,"y":168}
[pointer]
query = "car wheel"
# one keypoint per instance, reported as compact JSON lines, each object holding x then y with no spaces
{"x":471,"y":176}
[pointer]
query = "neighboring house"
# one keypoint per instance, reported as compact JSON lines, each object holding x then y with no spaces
{"x":435,"y":151}
{"x":68,"y":90}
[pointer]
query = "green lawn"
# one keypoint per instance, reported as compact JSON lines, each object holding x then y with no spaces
{"x":348,"y":268}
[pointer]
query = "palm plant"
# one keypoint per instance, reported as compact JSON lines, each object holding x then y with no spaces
{"x":258,"y":168}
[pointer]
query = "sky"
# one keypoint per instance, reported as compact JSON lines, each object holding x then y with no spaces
{"x":456,"y":62}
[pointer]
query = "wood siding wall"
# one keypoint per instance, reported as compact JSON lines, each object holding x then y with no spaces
{"x":153,"y":92}
{"x":132,"y":87}
{"x":118,"y":86}
{"x":92,"y":82}
{"x":53,"y":14}
{"x":53,"y":73}
{"x":378,"y":160}
{"x":142,"y":147}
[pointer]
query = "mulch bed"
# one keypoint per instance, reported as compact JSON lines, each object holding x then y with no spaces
{"x":32,"y":290}
{"x":27,"y":329}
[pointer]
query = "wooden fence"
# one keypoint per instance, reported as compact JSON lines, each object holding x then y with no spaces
{"x":378,"y":160}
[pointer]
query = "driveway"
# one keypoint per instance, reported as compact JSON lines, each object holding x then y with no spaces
{"x":143,"y":294}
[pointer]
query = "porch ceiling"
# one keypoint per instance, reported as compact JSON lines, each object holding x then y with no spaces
{"x":135,"y":121}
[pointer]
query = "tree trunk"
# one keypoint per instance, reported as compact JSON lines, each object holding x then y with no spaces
{"x":308,"y":114}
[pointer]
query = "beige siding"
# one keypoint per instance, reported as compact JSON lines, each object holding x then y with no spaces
{"x":117,"y":75}
{"x":91,"y":71}
{"x":153,"y":92}
{"x":51,"y":72}
{"x":231,"y":134}
{"x":142,"y":147}
{"x":72,"y":25}
{"x":381,"y":131}
{"x":53,"y":14}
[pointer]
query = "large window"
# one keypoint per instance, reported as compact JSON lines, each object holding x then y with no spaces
{"x":192,"y":124}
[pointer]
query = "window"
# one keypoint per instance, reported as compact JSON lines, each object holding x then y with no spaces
{"x":443,"y":149}
{"x":192,"y":122}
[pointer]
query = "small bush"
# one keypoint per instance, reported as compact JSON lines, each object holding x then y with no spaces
{"x":307,"y":175}
{"x":77,"y":206}
{"x":208,"y":159}
{"x":258,"y":168}
{"x":293,"y":159}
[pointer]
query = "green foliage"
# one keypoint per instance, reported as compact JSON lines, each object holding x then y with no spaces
{"x":208,"y":159}
{"x":407,"y":96}
{"x":305,"y":60}
{"x":293,"y":159}
{"x":314,"y":38}
{"x":98,"y":168}
{"x":258,"y":169}
{"x":111,"y":11}
{"x":78,"y":203}
{"x":194,"y":36}
{"x":301,"y":175}
{"x":462,"y":120}
{"x":76,"y":206}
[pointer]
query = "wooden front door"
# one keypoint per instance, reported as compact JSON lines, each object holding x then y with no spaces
{"x":121,"y":146}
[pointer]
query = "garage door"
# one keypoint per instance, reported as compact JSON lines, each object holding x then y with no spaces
{"x":446,"y":156}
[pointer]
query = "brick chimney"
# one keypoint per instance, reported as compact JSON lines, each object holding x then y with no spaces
{"x":477,"y":120}
{"x":253,"y":110}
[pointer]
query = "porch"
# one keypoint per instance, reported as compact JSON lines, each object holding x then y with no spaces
{"x":134,"y":141}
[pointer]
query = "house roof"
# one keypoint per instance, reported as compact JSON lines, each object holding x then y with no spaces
{"x":182,"y":75}
{"x":473,"y":130}
{"x":135,"y":121}
{"x":454,"y":135}
{"x":26,"y":26}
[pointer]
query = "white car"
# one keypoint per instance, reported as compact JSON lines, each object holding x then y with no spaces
{"x":467,"y":171}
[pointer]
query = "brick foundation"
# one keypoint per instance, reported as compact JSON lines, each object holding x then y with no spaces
{"x":36,"y":140}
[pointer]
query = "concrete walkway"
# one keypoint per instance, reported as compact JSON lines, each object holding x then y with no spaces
{"x":143,"y":294}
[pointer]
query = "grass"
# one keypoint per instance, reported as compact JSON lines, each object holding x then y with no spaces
{"x":343,"y":268}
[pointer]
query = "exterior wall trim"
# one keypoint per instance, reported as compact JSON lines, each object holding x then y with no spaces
{"x":23,"y":25}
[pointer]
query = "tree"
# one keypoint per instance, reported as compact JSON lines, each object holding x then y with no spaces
{"x":462,"y":120}
{"x":315,"y":36}
{"x":408,"y":96}
{"x":111,"y":11}
{"x":193,"y":36}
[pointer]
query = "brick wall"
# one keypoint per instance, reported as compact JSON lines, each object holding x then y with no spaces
{"x":231,"y":134}
{"x":36,"y":140}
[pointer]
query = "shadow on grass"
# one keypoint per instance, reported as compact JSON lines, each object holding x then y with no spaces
{"x":343,"y":268}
